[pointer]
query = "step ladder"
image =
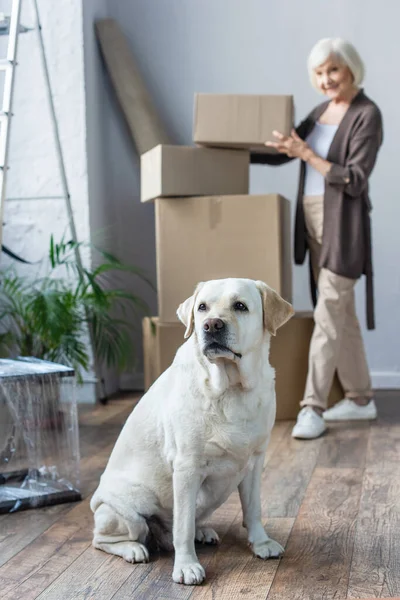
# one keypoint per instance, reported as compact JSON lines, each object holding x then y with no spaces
{"x":7,"y":66}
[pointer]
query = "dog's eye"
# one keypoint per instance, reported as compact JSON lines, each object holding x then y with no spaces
{"x":202,"y":307}
{"x":240,"y":306}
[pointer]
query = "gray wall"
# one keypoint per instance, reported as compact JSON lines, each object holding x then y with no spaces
{"x":260,"y":46}
{"x":118,"y":222}
{"x":102,"y":214}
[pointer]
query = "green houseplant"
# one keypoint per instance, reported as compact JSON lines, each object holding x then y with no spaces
{"x":49,"y":317}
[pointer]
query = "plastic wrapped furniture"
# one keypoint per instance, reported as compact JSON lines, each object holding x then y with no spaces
{"x":39,"y":436}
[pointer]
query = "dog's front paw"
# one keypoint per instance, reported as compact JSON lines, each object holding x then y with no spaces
{"x":188,"y":573}
{"x":206,"y":535}
{"x":267,"y":549}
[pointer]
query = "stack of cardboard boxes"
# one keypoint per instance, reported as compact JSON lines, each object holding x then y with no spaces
{"x":209,"y":227}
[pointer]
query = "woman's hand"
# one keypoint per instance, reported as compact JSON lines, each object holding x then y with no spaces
{"x":292,"y":145}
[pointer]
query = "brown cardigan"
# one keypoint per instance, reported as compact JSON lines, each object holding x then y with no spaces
{"x":346,"y":242}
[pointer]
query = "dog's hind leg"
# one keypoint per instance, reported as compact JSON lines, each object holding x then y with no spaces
{"x":115,"y":535}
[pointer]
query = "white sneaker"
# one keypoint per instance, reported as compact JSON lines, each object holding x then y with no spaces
{"x":347,"y":410}
{"x":309,"y":424}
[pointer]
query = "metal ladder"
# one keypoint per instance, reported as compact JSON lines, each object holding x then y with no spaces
{"x":7,"y":65}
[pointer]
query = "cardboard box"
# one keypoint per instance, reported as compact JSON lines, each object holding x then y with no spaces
{"x":289,"y":357}
{"x":214,"y":237}
{"x":241,"y":121}
{"x":189,"y":171}
{"x":160,"y":343}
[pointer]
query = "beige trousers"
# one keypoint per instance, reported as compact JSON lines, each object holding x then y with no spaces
{"x":336,"y":343}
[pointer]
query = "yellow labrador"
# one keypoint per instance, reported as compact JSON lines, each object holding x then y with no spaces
{"x":198,"y":434}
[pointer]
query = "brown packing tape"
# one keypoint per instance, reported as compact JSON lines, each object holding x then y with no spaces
{"x":215,"y":212}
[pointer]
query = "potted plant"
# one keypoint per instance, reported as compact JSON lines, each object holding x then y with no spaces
{"x":51,"y":316}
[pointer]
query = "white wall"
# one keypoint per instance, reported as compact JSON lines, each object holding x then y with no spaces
{"x":33,"y":164}
{"x":260,"y":46}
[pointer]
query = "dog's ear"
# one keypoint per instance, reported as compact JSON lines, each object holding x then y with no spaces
{"x":276,"y":311}
{"x":185,"y":311}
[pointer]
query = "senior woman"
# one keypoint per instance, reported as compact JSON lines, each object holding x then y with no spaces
{"x":338,"y":145}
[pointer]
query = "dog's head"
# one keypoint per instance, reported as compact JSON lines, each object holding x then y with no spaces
{"x":230,"y":316}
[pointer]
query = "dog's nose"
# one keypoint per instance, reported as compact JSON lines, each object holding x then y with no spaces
{"x":213,"y":325}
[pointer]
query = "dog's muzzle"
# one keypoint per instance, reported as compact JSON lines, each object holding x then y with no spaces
{"x":215,"y":336}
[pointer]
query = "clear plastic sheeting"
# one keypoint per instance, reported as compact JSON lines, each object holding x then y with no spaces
{"x":39,"y":436}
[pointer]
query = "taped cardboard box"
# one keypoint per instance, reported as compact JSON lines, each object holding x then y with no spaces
{"x":168,"y":170}
{"x":241,"y":121}
{"x":214,"y":237}
{"x":289,"y":357}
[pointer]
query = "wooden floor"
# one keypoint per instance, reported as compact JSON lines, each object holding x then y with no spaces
{"x":334,"y":503}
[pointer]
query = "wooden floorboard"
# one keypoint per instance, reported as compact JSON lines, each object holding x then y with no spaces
{"x":334,"y":503}
{"x":318,"y":555}
{"x":48,"y":556}
{"x":287,"y":475}
{"x":345,"y":447}
{"x":17,"y":530}
{"x":375,"y":569}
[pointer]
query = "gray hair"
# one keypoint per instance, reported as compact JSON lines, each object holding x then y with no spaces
{"x":343,"y":51}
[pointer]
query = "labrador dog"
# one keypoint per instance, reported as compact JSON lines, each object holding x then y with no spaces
{"x":198,"y":434}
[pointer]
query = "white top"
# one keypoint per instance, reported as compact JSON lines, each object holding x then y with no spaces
{"x":319,"y":140}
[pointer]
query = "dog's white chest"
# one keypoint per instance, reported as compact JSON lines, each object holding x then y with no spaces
{"x":234,"y":436}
